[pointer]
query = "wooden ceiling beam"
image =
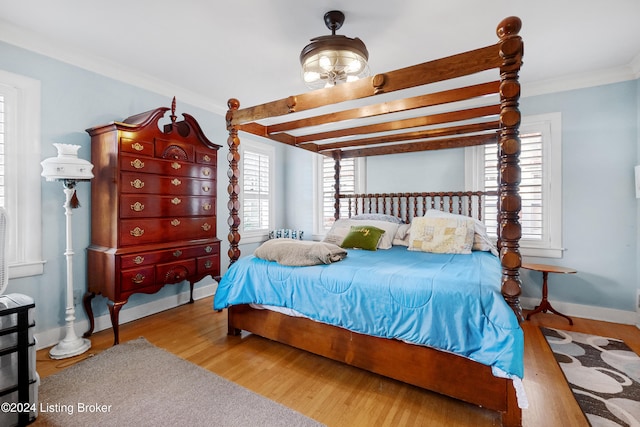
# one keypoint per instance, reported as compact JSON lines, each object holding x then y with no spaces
{"x":430,"y":133}
{"x":454,"y":66}
{"x":439,"y":144}
{"x":285,"y":138}
{"x":395,"y":106}
{"x":449,"y":117}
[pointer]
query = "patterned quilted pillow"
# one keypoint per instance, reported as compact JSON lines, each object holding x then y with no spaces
{"x":441,"y":235}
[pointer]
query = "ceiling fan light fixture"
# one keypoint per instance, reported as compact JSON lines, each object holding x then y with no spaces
{"x":334,"y":59}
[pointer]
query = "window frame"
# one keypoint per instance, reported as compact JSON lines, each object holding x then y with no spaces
{"x":550,"y":126}
{"x":255,"y":236}
{"x":22,"y":173}
{"x":359,"y":187}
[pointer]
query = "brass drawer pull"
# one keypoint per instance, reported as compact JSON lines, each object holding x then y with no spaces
{"x":137,"y":146}
{"x":176,"y":201}
{"x":176,"y":182}
{"x":206,"y":188}
{"x":206,"y":171}
{"x":175,"y":222}
{"x":137,"y":207}
{"x":138,"y":278}
{"x":206,"y":206}
{"x":206,"y":227}
{"x":137,"y":232}
{"x":207,"y":158}
{"x":137,"y":183}
{"x":137,"y":163}
{"x":208,"y":264}
{"x":138,"y":260}
{"x":208,"y":249}
{"x":176,"y":165}
{"x":177,"y":253}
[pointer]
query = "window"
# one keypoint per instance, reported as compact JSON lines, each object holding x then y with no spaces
{"x":351,"y":175}
{"x":257,"y":190}
{"x":20,"y":171}
{"x":3,"y":161}
{"x":540,"y":185}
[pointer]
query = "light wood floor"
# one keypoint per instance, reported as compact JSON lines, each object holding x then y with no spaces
{"x":339,"y":395}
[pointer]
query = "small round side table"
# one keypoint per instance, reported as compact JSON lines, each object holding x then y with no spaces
{"x":545,"y":270}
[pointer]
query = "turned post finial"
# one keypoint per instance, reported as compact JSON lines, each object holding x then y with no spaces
{"x":233,"y":104}
{"x":508,"y":27}
{"x":173,"y":110}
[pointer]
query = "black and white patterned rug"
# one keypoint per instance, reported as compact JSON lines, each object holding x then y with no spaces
{"x":603,"y":373}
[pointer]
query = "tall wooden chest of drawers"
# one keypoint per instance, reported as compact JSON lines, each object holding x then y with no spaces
{"x":153,"y":209}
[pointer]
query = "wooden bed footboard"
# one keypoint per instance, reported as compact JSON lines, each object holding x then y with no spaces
{"x":425,"y":367}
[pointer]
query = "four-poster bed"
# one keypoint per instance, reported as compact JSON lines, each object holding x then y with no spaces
{"x":489,"y":114}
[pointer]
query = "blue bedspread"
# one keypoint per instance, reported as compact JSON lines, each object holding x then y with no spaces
{"x":449,"y":302}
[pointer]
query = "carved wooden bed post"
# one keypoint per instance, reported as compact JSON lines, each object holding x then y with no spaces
{"x":336,"y":185}
{"x":509,"y":201}
{"x":234,"y":189}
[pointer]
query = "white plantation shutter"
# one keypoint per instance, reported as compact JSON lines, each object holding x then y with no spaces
{"x":256,"y":191}
{"x":540,"y":185}
{"x":531,"y":215}
{"x":20,"y":180}
{"x":347,"y":185}
{"x":2,"y":150}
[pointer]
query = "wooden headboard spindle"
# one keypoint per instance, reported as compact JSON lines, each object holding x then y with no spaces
{"x":409,"y":205}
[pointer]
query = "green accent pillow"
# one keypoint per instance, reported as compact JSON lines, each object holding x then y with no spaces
{"x":363,"y":237}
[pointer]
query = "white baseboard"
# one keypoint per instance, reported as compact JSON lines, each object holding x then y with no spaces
{"x":51,"y":337}
{"x":587,"y":311}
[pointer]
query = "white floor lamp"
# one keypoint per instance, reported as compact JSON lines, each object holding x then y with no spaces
{"x":69,"y":169}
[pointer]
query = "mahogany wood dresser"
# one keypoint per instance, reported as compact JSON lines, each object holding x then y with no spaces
{"x":153,"y":209}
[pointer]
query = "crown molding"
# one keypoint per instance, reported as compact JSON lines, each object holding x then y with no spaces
{"x":607,"y":76}
{"x":635,"y":65}
{"x":118,"y":71}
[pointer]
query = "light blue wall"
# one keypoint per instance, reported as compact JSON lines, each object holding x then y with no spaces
{"x":439,"y":170}
{"x":73,"y":100}
{"x":599,"y":152}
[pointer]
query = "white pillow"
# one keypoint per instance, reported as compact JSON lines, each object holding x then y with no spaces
{"x":341,"y":228}
{"x":481,"y":241}
{"x":378,"y":217}
{"x":402,"y":235}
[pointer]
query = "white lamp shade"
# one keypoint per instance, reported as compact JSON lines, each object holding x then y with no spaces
{"x":333,"y":67}
{"x":67,"y":165}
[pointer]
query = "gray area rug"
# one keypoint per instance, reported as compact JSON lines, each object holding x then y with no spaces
{"x":603,"y":373}
{"x":138,"y":384}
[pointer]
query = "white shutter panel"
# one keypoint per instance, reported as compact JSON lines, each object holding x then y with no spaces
{"x":531,"y":185}
{"x":255,"y":172}
{"x":2,"y":155}
{"x":347,"y":186}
